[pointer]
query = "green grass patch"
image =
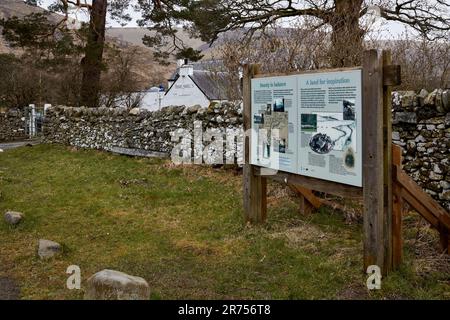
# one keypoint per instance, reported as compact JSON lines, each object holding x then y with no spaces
{"x":181,"y":229}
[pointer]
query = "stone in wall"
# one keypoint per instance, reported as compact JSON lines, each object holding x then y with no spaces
{"x":12,"y":125}
{"x":421,"y":126}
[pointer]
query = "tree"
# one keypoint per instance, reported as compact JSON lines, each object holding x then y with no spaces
{"x":190,"y":54}
{"x":120,"y":85}
{"x":44,"y":30}
{"x":281,"y":50}
{"x":40,"y":37}
{"x":19,"y":82}
{"x":424,"y":64}
{"x":210,"y":18}
{"x":92,"y":62}
{"x":93,"y":53}
{"x":71,"y":53}
{"x":33,"y":3}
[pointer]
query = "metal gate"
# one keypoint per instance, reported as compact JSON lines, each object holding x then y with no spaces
{"x":34,"y":120}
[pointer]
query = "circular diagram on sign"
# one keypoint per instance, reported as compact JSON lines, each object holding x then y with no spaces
{"x":321,"y":143}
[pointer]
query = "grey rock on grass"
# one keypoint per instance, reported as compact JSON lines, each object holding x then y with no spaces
{"x":116,"y":285}
{"x":13,"y":217}
{"x":48,"y":249}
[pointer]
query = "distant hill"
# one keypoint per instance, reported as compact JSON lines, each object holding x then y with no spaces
{"x":11,"y":8}
{"x":150,"y":72}
{"x":134,"y":36}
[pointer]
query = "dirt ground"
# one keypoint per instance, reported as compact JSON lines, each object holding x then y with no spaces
{"x":9,"y":289}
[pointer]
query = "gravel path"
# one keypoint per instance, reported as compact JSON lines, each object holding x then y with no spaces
{"x":9,"y":289}
{"x":18,"y":144}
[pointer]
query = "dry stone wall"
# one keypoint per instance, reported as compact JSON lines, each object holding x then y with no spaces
{"x":421,"y":125}
{"x":12,"y":125}
{"x":119,"y":128}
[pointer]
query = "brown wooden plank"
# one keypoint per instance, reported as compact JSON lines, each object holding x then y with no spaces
{"x":249,"y":72}
{"x":444,"y":236}
{"x":373,"y":159}
{"x":392,"y":75}
{"x":387,"y":163}
{"x":334,"y":188}
{"x":423,"y":198}
{"x":397,"y":226}
{"x":397,"y":212}
{"x":255,"y":196}
{"x":247,"y":169}
{"x":420,"y":208}
{"x":305,"y":207}
{"x":254,"y":187}
{"x":309,"y":196}
{"x":397,"y":157}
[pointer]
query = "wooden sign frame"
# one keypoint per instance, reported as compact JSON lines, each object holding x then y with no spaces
{"x":378,"y":77}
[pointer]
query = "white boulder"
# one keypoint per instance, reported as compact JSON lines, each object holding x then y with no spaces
{"x":116,"y":285}
{"x":13,"y":217}
{"x":48,"y":249}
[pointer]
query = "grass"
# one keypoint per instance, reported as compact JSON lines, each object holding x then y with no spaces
{"x":181,"y":229}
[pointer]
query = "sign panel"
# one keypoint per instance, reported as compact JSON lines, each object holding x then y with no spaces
{"x":309,"y":124}
{"x":274,"y":123}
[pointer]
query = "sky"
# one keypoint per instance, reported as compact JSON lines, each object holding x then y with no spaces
{"x":384,"y":30}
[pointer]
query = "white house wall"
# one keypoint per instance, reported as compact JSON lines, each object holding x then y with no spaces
{"x":151,"y":100}
{"x":184,"y":92}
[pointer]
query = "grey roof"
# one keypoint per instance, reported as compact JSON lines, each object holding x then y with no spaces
{"x":214,"y":85}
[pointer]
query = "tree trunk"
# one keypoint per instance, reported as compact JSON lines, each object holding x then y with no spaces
{"x":92,"y":62}
{"x":347,"y":36}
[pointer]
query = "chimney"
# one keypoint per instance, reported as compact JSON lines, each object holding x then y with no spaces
{"x":187,"y":70}
{"x":180,"y":63}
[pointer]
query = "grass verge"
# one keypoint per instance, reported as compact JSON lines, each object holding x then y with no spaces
{"x":181,"y":229}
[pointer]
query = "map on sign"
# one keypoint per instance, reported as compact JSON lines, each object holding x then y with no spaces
{"x":309,"y":124}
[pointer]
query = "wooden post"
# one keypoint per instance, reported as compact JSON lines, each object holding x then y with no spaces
{"x":378,"y":77}
{"x":305,"y":206}
{"x":308,"y":201}
{"x":375,"y":190}
{"x":444,"y":236}
{"x":388,"y":81}
{"x":397,"y":212}
{"x":255,"y":186}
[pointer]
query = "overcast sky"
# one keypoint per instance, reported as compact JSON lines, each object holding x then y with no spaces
{"x":386,"y":30}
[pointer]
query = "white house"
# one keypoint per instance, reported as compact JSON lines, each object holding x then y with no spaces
{"x":190,"y":86}
{"x":152,"y":99}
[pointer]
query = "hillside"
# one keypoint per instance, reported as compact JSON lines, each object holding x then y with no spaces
{"x":11,"y":8}
{"x":149,"y":72}
{"x":132,"y":38}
